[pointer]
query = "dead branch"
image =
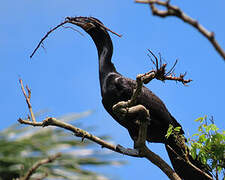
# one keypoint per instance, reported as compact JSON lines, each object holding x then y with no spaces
{"x":143,"y":151}
{"x":49,"y":32}
{"x":38,"y":164}
{"x":27,"y":99}
{"x":77,"y":131}
{"x":160,"y":72}
{"x":177,"y":12}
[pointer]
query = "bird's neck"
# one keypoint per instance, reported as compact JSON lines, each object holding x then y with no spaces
{"x":104,"y":46}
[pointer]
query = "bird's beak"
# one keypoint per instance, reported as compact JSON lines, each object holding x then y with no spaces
{"x":82,"y":22}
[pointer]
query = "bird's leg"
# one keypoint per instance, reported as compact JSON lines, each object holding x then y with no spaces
{"x":139,"y":142}
{"x":143,"y":120}
{"x":129,"y":107}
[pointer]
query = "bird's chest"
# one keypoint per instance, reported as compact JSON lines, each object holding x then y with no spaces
{"x":112,"y":96}
{"x":115,"y":89}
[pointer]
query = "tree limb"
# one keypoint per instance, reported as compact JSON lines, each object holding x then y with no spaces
{"x":50,"y":121}
{"x":177,"y":12}
{"x":143,"y":150}
{"x":38,"y":164}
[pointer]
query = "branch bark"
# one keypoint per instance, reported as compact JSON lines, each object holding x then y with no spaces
{"x":177,"y":12}
{"x":38,"y":164}
{"x":50,"y":121}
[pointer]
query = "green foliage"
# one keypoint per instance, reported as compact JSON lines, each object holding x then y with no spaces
{"x":22,"y":146}
{"x":172,"y":131}
{"x":209,"y":146}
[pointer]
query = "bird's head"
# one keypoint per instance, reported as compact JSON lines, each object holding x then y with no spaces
{"x":87,"y":23}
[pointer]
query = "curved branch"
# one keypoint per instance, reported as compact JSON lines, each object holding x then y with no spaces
{"x":77,"y":132}
{"x":38,"y":164}
{"x":177,"y":12}
{"x":143,"y":151}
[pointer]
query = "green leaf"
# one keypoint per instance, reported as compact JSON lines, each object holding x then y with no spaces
{"x":200,"y":119}
{"x":208,"y":144}
{"x":169,"y":131}
{"x":177,"y":129}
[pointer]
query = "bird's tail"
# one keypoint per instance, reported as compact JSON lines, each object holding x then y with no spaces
{"x":183,"y":162}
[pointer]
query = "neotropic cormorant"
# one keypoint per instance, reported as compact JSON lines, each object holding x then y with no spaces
{"x":116,"y":88}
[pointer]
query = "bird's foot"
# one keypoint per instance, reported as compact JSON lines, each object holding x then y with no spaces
{"x":127,"y":151}
{"x":121,"y":108}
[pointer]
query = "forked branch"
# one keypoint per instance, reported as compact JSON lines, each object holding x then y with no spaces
{"x":177,"y":12}
{"x":160,"y":72}
{"x":143,"y":151}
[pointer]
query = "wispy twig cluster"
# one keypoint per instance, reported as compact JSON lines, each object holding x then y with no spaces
{"x":160,"y":72}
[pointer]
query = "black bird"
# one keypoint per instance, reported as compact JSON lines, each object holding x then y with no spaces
{"x":116,"y":88}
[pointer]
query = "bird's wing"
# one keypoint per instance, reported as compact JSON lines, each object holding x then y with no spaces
{"x":158,"y":111}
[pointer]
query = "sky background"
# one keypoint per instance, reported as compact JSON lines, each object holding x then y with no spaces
{"x":64,"y":77}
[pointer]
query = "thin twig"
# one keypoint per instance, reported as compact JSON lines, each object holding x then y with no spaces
{"x":69,"y":20}
{"x":38,"y":164}
{"x":119,"y":35}
{"x":177,"y":12}
{"x":69,"y":27}
{"x":156,"y":59}
{"x":160,"y":72}
{"x":40,"y":43}
{"x":172,"y":69}
{"x":190,"y":164}
{"x":27,"y":99}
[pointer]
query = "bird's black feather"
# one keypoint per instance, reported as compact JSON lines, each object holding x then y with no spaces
{"x":116,"y":88}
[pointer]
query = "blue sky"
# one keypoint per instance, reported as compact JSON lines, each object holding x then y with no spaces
{"x":64,"y":76}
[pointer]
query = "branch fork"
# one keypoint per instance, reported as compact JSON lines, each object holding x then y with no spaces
{"x":140,"y":150}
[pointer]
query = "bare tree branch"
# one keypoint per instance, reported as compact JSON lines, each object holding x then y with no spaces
{"x":143,"y":151}
{"x":160,"y":72}
{"x":77,"y":132}
{"x":177,"y":12}
{"x":42,"y":40}
{"x":38,"y":164}
{"x":27,"y":99}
